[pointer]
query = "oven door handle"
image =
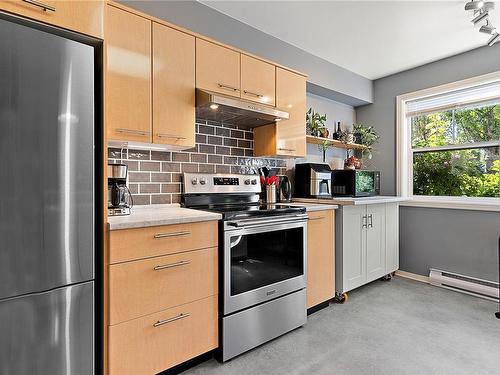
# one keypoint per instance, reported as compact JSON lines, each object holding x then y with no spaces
{"x":277,"y":220}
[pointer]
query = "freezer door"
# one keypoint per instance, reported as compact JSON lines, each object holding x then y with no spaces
{"x":48,"y":333}
{"x":47,"y":160}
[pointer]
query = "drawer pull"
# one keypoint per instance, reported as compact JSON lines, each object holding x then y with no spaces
{"x":171,"y":265}
{"x":39,"y":4}
{"x":178,"y":317}
{"x":132,"y":131}
{"x":160,"y":135}
{"x":317,"y":218}
{"x":227,"y":87}
{"x":173,"y":234}
{"x":260,"y":96}
{"x":287,"y":149}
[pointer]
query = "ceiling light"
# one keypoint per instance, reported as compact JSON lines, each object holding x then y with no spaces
{"x":488,"y":29}
{"x":474,"y":5}
{"x":214,"y":106}
{"x":479,"y":18}
{"x":495,"y":38}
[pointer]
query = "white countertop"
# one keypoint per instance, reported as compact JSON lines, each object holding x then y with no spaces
{"x":347,"y":201}
{"x":161,"y":214}
{"x":311,"y":207}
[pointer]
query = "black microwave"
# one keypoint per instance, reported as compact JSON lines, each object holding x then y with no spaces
{"x":355,"y":183}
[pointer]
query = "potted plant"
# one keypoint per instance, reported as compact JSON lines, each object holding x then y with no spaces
{"x":323,"y":147}
{"x":369,"y":137}
{"x":315,"y":122}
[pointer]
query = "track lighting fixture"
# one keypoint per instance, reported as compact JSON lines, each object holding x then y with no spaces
{"x":481,"y":14}
{"x":495,"y":38}
{"x":488,"y":28}
{"x":474,"y":5}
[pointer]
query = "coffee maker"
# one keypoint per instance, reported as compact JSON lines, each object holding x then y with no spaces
{"x":120,"y":199}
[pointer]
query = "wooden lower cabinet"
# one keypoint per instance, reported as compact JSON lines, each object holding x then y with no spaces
{"x":156,"y":342}
{"x":320,"y":257}
{"x":131,"y":244}
{"x":85,"y":17}
{"x":146,"y":286}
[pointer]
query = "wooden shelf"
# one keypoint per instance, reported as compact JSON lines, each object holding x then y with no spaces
{"x":334,"y":143}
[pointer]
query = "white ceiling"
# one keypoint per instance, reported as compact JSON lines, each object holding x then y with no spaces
{"x":371,"y":38}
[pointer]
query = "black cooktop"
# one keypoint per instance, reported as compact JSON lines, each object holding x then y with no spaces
{"x":240,"y":212}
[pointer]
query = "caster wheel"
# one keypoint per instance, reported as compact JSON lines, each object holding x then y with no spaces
{"x":342,"y":298}
{"x":387,"y":277}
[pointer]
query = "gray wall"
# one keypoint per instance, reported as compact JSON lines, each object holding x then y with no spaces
{"x":455,"y":240}
{"x":324,"y":79}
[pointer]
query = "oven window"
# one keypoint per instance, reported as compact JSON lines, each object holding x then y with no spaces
{"x":262,"y":259}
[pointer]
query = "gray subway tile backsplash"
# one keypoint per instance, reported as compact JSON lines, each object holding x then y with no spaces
{"x":155,"y":177}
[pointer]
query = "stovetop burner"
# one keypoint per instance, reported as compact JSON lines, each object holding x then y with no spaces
{"x":240,"y":212}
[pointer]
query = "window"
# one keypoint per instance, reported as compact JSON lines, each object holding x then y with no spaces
{"x":449,"y":142}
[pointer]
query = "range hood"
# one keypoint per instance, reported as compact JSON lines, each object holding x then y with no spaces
{"x":239,"y":112}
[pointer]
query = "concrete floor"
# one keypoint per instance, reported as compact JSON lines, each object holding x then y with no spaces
{"x":396,"y":327}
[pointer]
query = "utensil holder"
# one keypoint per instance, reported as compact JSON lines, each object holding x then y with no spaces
{"x":270,"y":194}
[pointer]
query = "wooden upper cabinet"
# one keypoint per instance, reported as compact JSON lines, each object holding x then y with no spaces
{"x":287,"y":137}
{"x":291,"y":97}
{"x":320,"y":257}
{"x":258,"y":80}
{"x":173,"y":87}
{"x":85,"y":17}
{"x":217,"y":68}
{"x":128,"y":76}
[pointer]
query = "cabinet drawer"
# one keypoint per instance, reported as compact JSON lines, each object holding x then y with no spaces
{"x":150,"y":285}
{"x":130,"y":244}
{"x":159,"y":341}
{"x":81,"y":16}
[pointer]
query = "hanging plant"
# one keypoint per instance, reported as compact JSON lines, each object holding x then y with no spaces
{"x":315,"y":123}
{"x":369,"y":138}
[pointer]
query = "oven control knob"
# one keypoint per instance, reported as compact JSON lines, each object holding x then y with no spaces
{"x":203,"y":180}
{"x":194,"y":181}
{"x":254,"y":182}
{"x":247,"y":182}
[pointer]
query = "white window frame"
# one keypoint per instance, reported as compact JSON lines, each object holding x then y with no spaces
{"x":405,"y":156}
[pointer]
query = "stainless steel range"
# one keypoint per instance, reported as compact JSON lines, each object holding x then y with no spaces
{"x":263,"y":252}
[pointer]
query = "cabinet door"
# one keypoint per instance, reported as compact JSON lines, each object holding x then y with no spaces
{"x":217,"y":68}
{"x":391,"y":237}
{"x":81,"y":16}
{"x":128,"y":76}
{"x":258,"y":80}
{"x":291,"y":97}
{"x":375,"y":241}
{"x":320,"y":257}
{"x":173,"y":87}
{"x":354,"y":246}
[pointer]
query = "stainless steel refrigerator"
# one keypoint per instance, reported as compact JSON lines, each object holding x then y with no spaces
{"x":47,"y":194}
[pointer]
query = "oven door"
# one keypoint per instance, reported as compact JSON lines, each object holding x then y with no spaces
{"x":263,"y":259}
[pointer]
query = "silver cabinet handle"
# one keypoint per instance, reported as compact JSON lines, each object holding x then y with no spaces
{"x":178,"y":317}
{"x":227,"y":87}
{"x":172,"y":234}
{"x":39,"y":4}
{"x":364,"y":222}
{"x":260,"y":96}
{"x":160,"y":135}
{"x":370,"y":221}
{"x":317,"y":218}
{"x":171,"y":265}
{"x":286,"y":149}
{"x":131,"y":131}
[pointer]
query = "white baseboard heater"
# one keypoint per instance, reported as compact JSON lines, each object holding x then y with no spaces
{"x":465,"y":284}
